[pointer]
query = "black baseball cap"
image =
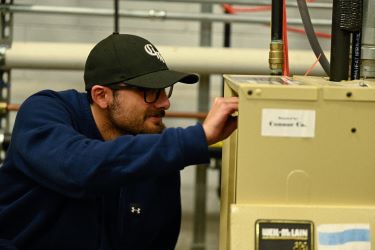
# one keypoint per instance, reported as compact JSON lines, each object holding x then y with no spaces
{"x":133,"y":60}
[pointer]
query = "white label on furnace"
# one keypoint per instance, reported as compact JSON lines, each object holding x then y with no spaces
{"x":288,"y":122}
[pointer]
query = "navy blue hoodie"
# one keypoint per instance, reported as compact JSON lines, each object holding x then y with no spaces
{"x":63,"y":187}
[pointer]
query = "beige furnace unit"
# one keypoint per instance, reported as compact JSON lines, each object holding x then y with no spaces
{"x":299,"y":172}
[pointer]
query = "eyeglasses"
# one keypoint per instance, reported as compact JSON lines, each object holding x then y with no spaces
{"x":149,"y":95}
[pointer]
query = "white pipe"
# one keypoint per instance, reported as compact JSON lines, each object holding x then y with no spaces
{"x":30,"y":55}
{"x":69,"y":56}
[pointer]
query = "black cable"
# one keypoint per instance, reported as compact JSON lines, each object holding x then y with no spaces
{"x":116,"y":16}
{"x":346,"y":19}
{"x":340,"y":44}
{"x":227,"y":34}
{"x":351,"y":21}
{"x":277,"y":20}
{"x":313,"y":40}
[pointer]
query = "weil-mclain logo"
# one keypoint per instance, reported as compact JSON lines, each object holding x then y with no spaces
{"x":152,"y":51}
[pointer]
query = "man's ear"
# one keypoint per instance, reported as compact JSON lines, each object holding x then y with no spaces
{"x":101,"y":95}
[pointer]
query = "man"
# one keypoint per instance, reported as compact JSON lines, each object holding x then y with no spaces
{"x":99,"y":170}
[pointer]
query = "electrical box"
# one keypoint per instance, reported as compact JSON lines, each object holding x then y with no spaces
{"x":299,"y":172}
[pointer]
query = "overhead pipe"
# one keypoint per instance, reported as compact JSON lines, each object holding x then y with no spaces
{"x":153,"y":14}
{"x":72,"y":56}
{"x":244,"y":2}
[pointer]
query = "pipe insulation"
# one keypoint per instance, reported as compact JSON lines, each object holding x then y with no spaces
{"x":72,"y":56}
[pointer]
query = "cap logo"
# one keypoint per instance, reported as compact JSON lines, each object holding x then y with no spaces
{"x":151,"y":50}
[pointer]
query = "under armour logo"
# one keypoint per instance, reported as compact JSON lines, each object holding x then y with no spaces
{"x":135,"y":209}
{"x":152,"y":51}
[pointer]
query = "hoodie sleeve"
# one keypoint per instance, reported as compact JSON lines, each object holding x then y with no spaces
{"x":47,"y":147}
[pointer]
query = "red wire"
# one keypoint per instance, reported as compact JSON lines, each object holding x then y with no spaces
{"x":253,"y":9}
{"x":233,"y":10}
{"x":229,"y":9}
{"x":312,"y":66}
{"x":285,"y":40}
{"x":302,"y":31}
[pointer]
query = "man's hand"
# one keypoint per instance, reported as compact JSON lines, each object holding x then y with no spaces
{"x":220,"y":122}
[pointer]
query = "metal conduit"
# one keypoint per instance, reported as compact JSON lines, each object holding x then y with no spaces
{"x":244,"y":2}
{"x":154,"y":14}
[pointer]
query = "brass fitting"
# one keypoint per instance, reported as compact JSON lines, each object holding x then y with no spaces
{"x":3,"y":108}
{"x":276,"y":57}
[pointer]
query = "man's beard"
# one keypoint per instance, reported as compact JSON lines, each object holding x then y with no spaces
{"x":134,"y":124}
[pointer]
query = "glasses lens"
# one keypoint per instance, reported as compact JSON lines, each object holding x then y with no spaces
{"x":152,"y":95}
{"x":168,"y":91}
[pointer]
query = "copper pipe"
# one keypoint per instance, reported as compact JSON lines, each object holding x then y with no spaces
{"x":193,"y":115}
{"x":13,"y":107}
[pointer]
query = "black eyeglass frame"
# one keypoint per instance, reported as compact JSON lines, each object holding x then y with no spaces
{"x":117,"y":86}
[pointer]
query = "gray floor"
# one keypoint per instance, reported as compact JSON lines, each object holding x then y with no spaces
{"x":212,"y":232}
{"x":186,"y":239}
